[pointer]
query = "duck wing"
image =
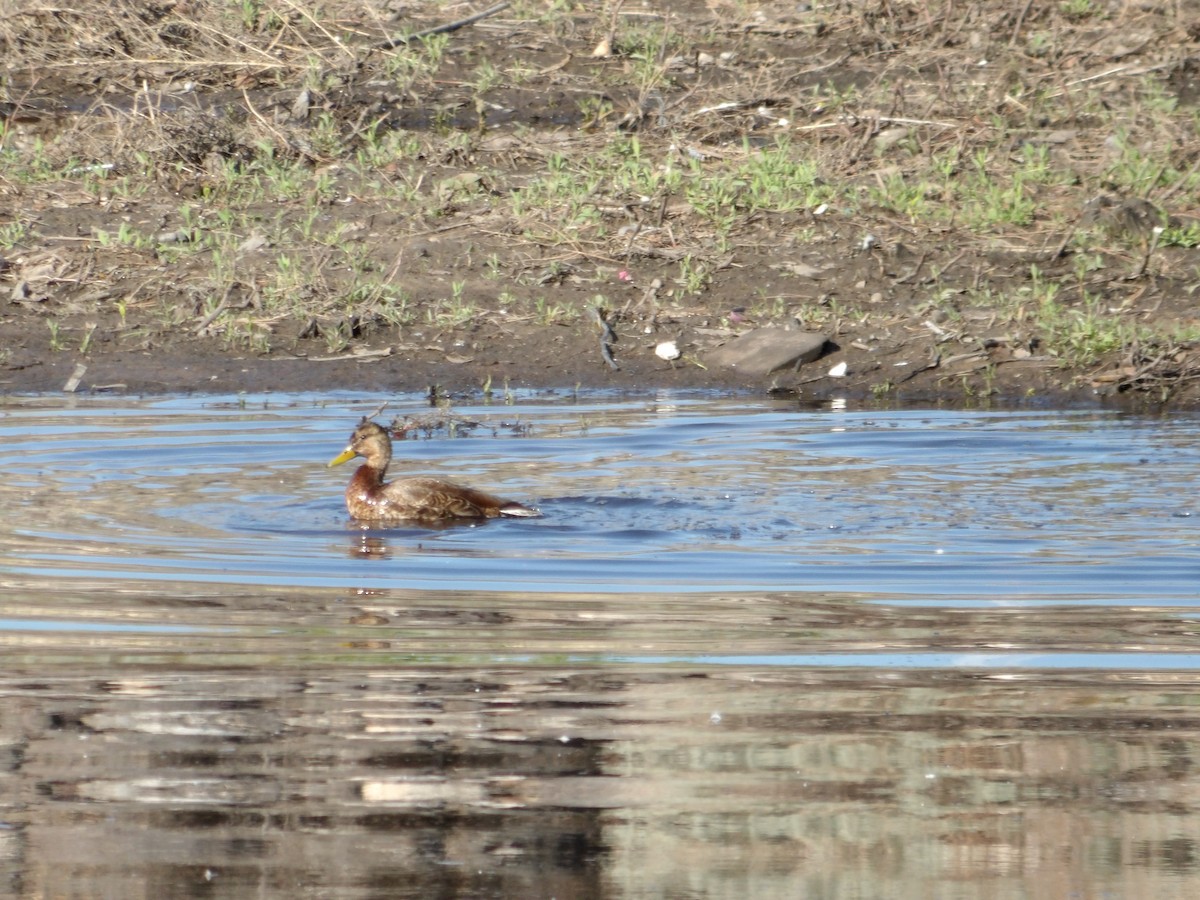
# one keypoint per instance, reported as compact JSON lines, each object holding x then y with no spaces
{"x":435,"y":498}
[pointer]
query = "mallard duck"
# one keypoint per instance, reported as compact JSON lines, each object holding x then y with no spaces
{"x":370,"y":499}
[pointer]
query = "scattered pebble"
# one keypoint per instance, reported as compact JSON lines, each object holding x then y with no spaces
{"x":667,"y":350}
{"x":252,"y":243}
{"x":889,"y":138}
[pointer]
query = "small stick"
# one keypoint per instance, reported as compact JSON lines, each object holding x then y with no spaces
{"x":882,"y":120}
{"x":935,"y":360}
{"x":223,"y":306}
{"x":606,"y":352}
{"x":393,"y":43}
{"x":1154,"y":236}
{"x":211,"y":317}
{"x":917,"y":268}
{"x":1062,"y":247}
{"x":607,"y":337}
{"x":1180,"y":182}
{"x":632,"y":237}
{"x":1016,"y":32}
{"x":607,"y":334}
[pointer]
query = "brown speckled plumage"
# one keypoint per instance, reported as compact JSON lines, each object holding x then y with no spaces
{"x":370,"y":499}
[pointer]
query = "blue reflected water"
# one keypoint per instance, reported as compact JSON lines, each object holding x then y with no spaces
{"x":679,"y":494}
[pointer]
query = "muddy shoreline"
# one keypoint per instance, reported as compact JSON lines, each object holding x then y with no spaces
{"x":202,"y":371}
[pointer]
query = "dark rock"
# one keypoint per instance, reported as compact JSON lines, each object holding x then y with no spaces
{"x":766,"y":350}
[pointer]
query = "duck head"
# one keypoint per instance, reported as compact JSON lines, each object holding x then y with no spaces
{"x":370,"y":441}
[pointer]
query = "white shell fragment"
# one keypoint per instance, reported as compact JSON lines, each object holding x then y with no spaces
{"x":838,"y":371}
{"x":667,"y":350}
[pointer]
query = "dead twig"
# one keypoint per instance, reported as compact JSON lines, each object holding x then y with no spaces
{"x":221,"y":307}
{"x":881,"y":120}
{"x":393,"y":43}
{"x":1151,"y":246}
{"x":934,"y":362}
{"x":1061,"y":250}
{"x":608,"y":337}
{"x":905,"y":279}
{"x":212,"y":316}
{"x":1016,"y":32}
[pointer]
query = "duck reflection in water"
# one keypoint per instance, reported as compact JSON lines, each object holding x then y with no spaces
{"x":428,"y":501}
{"x":370,"y":547}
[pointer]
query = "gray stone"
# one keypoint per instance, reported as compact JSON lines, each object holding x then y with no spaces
{"x":766,"y":350}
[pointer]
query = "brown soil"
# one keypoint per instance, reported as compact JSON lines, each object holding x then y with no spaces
{"x":870,"y":91}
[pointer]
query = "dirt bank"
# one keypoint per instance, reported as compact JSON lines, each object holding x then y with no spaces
{"x":1001,"y":201}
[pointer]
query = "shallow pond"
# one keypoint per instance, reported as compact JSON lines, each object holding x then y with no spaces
{"x":751,"y":650}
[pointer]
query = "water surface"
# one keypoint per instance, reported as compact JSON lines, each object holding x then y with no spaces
{"x":751,"y":649}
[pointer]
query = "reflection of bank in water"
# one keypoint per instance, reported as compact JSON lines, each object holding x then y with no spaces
{"x":599,"y":780}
